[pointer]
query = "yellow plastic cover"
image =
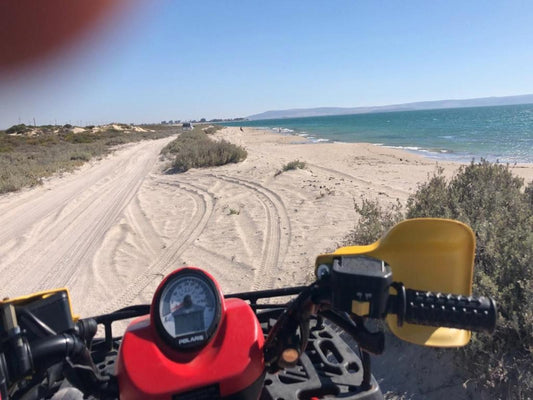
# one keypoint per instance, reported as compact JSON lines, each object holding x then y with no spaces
{"x":425,"y":254}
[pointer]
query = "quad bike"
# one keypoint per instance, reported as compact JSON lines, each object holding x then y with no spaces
{"x":192,"y":342}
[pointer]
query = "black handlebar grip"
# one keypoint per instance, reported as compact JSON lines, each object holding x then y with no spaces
{"x":451,"y":311}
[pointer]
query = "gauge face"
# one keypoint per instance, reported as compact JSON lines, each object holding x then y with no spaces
{"x":187,"y":309}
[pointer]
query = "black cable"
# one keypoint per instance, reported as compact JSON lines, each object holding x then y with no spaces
{"x":24,"y":313}
{"x":285,"y":327}
{"x":367,"y":374}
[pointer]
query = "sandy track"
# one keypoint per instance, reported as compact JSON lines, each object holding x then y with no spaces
{"x":49,"y":235}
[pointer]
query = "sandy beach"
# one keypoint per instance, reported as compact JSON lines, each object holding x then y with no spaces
{"x":111,"y":230}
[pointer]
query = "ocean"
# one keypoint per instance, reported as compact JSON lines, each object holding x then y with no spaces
{"x":502,"y":133}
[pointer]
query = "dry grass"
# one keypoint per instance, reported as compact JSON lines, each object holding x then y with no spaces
{"x":296,"y":164}
{"x":28,"y":154}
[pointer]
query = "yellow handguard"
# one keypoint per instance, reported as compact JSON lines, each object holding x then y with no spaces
{"x":427,"y":254}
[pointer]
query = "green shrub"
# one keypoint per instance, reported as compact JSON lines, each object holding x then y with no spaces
{"x":373,"y":222}
{"x":5,"y":148}
{"x":529,"y":193}
{"x":296,"y":164}
{"x":20,"y":128}
{"x":494,"y":203}
{"x":80,"y":137}
{"x":500,"y":211}
{"x":212,"y":129}
{"x":80,"y":157}
{"x":193,"y":149}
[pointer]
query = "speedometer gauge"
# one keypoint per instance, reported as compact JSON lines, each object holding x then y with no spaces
{"x":187,"y":309}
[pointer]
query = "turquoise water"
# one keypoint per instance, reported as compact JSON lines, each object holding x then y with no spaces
{"x":503,"y":133}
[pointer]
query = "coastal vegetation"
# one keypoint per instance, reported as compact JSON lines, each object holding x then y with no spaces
{"x":29,"y":154}
{"x":195,"y":149}
{"x":296,"y":164}
{"x":499,"y":208}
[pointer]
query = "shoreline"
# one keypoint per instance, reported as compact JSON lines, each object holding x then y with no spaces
{"x":523,"y":170}
{"x":439,"y":155}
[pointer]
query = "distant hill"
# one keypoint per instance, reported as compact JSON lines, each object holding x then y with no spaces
{"x":423,"y":105}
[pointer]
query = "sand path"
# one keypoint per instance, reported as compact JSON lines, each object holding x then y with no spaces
{"x":50,"y":234}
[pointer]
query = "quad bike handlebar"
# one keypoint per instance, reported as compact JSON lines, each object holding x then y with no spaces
{"x":411,"y":306}
{"x":289,"y":333}
{"x":448,"y":310}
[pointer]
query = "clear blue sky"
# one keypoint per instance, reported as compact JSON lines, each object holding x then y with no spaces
{"x":223,"y":59}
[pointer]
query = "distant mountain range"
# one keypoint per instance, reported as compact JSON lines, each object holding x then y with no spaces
{"x":423,"y":105}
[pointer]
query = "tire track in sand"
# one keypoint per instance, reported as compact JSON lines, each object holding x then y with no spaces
{"x":277,"y":232}
{"x":204,"y":205}
{"x":76,"y":232}
{"x":80,"y":254}
{"x":368,"y":183}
